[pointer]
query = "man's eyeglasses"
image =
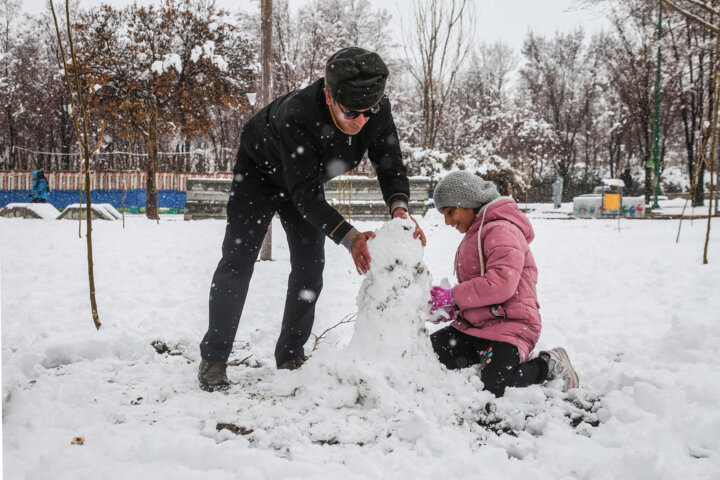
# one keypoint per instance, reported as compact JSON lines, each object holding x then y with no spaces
{"x":352,"y":114}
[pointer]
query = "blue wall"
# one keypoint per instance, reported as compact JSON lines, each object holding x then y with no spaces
{"x":133,"y":198}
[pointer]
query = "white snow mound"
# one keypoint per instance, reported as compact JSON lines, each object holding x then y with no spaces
{"x":393,"y":300}
{"x":388,"y":376}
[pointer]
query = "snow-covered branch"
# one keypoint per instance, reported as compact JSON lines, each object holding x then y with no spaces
{"x":692,"y":16}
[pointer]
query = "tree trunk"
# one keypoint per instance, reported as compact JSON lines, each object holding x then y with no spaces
{"x":698,"y":193}
{"x":151,"y":169}
{"x":266,"y":51}
{"x":426,"y":126}
{"x":88,"y":233}
{"x":11,"y":138}
{"x":717,"y":183}
{"x":648,"y":189}
{"x":66,"y":132}
{"x":713,"y":142}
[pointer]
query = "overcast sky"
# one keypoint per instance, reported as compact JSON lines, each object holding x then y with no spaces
{"x":506,"y":20}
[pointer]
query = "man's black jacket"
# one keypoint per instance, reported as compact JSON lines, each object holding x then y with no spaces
{"x":295,"y":141}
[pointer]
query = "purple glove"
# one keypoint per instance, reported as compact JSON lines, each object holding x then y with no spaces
{"x":441,"y":297}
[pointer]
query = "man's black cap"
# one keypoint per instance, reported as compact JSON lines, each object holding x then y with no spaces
{"x":356,"y":78}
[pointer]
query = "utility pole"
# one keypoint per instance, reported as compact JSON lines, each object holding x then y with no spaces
{"x":654,"y":161}
{"x":266,"y":91}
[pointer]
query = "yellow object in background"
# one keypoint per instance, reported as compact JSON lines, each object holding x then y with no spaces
{"x":611,"y":202}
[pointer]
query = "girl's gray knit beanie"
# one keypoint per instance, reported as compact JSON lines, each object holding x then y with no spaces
{"x":463,"y":189}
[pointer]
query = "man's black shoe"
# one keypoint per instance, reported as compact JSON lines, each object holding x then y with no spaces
{"x":213,"y":376}
{"x":293,"y":363}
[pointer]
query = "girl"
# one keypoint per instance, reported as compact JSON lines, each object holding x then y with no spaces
{"x":494,"y":309}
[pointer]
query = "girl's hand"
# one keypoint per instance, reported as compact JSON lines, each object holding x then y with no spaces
{"x":443,"y":314}
{"x":440,"y":297}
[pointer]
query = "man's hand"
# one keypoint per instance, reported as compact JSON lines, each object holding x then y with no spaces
{"x":400,"y":212}
{"x":360,"y":253}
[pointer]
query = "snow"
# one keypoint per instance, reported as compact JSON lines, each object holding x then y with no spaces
{"x":157,"y":67}
{"x":196,"y":53}
{"x":613,"y":182}
{"x":637,"y":313}
{"x":171,"y":60}
{"x":682,"y":206}
{"x":220,"y":62}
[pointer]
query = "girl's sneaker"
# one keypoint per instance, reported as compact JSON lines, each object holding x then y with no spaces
{"x":560,"y":368}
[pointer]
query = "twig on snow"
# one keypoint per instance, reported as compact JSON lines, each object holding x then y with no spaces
{"x":349,"y":318}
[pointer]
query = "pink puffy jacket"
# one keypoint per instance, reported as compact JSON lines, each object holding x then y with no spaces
{"x":496,"y":293}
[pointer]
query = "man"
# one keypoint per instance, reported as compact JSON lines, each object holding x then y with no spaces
{"x":287,"y":152}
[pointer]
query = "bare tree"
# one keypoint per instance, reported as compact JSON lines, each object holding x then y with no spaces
{"x":689,"y":48}
{"x":9,"y":11}
{"x":82,"y":131}
{"x":437,"y":44}
{"x":479,"y":98}
{"x":303,"y":40}
{"x":492,"y":67}
{"x":687,"y":76}
{"x":560,"y":87}
{"x":693,"y":10}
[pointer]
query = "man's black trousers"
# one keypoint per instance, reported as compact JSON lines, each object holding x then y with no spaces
{"x":254,"y":199}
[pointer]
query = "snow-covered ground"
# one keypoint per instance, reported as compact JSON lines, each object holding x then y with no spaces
{"x":638,"y":314}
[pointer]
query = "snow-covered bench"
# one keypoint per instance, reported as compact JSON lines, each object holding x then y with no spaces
{"x":43,"y":211}
{"x":100,"y":211}
{"x":208,"y":197}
